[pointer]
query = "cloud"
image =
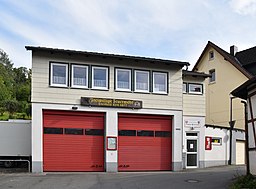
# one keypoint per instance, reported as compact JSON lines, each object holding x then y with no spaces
{"x":16,"y":52}
{"x":244,"y":7}
{"x":166,"y":29}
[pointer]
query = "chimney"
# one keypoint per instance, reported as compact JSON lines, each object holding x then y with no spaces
{"x":233,"y":50}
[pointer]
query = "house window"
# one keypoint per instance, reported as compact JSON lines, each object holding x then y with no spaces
{"x":123,"y":79}
{"x":213,"y":76}
{"x":141,"y":81}
{"x":211,"y":55}
{"x":184,"y":87}
{"x":99,"y":77}
{"x":59,"y":74}
{"x":195,"y":88}
{"x":79,"y":76}
{"x":160,"y":82}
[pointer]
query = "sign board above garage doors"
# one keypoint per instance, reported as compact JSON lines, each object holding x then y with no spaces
{"x":114,"y":103}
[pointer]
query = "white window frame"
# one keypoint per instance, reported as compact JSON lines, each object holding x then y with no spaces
{"x":51,"y":74}
{"x":135,"y":81}
{"x":72,"y":76}
{"x":195,"y":92}
{"x":210,"y":79}
{"x":186,"y":89}
{"x":166,"y":83}
{"x":97,"y":87}
{"x":116,"y":79}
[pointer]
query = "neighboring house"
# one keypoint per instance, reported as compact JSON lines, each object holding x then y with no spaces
{"x":227,"y":70}
{"x":226,"y":73}
{"x":105,"y":112}
{"x":247,"y":91}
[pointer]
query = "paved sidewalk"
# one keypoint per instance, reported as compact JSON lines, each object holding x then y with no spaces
{"x":210,"y":178}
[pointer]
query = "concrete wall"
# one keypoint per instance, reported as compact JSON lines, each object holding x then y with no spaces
{"x":220,"y":154}
{"x":217,"y":93}
{"x":15,"y":138}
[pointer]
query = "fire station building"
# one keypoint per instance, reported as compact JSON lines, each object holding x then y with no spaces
{"x":105,"y":112}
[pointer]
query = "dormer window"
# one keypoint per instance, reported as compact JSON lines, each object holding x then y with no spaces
{"x":211,"y":55}
{"x":212,"y":78}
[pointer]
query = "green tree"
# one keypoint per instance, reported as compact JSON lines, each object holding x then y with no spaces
{"x":21,"y":75}
{"x":2,"y":108}
{"x":23,"y":93}
{"x":5,"y":93}
{"x":15,"y":88}
{"x":11,"y":106}
{"x":6,"y":75}
{"x":5,"y":60}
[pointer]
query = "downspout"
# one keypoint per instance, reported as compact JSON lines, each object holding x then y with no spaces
{"x":231,"y":123}
{"x":248,"y":172}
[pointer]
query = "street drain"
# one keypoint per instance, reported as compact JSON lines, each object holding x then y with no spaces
{"x":192,"y":181}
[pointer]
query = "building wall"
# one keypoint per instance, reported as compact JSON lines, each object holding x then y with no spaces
{"x":194,"y":104}
{"x":217,"y":93}
{"x":42,"y":93}
{"x":220,"y":153}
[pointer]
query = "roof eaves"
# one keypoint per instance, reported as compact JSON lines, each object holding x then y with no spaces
{"x":242,"y":90}
{"x":136,"y":58}
{"x":227,"y":56}
{"x":201,"y":56}
{"x":195,"y":74}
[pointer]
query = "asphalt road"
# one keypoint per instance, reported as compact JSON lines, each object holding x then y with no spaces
{"x":210,"y":178}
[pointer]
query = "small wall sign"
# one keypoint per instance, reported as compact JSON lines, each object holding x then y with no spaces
{"x":111,"y":143}
{"x":216,"y":141}
{"x":192,"y":123}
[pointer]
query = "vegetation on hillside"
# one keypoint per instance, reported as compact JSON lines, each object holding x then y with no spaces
{"x":15,"y":90}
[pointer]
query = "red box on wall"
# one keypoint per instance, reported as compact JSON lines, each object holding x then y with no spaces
{"x":208,"y":143}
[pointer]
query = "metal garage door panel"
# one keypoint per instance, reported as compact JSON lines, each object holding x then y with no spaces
{"x":65,"y":152}
{"x":67,"y":119}
{"x":142,"y":153}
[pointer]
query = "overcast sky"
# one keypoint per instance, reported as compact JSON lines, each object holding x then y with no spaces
{"x":167,"y":29}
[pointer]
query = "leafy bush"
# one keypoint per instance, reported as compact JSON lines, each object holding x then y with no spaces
{"x":244,"y":182}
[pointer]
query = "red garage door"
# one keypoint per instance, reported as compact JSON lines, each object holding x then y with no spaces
{"x":144,"y":142}
{"x":73,"y":141}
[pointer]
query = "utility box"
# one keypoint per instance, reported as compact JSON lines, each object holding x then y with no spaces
{"x":15,"y":139}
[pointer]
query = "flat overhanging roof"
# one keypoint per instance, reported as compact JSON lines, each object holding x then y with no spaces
{"x":105,"y":55}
